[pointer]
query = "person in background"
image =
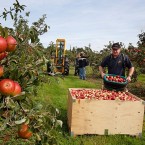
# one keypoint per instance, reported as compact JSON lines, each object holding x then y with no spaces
{"x":116,"y":63}
{"x":76,"y":64}
{"x":82,"y":66}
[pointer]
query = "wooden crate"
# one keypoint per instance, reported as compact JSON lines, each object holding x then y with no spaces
{"x":104,"y":116}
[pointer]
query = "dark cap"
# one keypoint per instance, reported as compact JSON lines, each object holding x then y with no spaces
{"x":116,"y":46}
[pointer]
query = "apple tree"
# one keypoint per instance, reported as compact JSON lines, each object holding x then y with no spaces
{"x":25,"y":66}
{"x":137,"y":54}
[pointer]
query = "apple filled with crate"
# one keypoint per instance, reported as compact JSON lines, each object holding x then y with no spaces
{"x":92,"y":111}
{"x":101,"y":95}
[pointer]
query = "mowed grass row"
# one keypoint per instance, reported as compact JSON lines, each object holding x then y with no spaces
{"x":56,"y":93}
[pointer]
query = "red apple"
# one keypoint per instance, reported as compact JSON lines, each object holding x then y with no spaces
{"x":1,"y":71}
{"x":3,"y":55}
{"x":7,"y":86}
{"x":12,"y":43}
{"x":110,"y":79}
{"x":3,"y":44}
{"x":17,"y":89}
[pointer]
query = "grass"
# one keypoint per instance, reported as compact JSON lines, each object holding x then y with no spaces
{"x":141,"y":77}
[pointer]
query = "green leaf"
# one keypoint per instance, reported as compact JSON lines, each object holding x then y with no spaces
{"x":59,"y":123}
{"x":19,"y":97}
{"x":11,"y":15}
{"x":2,"y":33}
{"x":20,"y":121}
{"x":3,"y":126}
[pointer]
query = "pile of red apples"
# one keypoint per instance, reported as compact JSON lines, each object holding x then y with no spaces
{"x":115,"y":79}
{"x":99,"y":94}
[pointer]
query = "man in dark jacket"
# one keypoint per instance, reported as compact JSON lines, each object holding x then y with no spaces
{"x":76,"y":64}
{"x":82,"y":66}
{"x":116,"y":63}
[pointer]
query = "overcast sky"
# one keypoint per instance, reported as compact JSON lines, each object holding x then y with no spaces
{"x":84,"y":22}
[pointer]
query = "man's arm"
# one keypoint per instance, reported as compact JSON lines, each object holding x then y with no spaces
{"x":130,"y":67}
{"x":103,"y":64}
{"x":131,"y":71}
{"x":101,"y":69}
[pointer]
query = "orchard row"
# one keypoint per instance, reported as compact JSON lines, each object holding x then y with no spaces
{"x":9,"y":87}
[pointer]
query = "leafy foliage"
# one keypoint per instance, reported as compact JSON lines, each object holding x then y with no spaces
{"x":137,"y":54}
{"x":137,"y":88}
{"x":25,"y":65}
{"x":17,"y":8}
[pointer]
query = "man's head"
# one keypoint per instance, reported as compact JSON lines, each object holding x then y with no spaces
{"x":82,"y":54}
{"x":116,"y":48}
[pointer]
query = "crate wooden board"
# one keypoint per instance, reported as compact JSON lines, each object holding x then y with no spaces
{"x":104,"y":116}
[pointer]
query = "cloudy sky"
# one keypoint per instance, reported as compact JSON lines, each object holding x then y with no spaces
{"x":84,"y":22}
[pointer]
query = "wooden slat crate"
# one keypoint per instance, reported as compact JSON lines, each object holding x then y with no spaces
{"x":91,"y":116}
